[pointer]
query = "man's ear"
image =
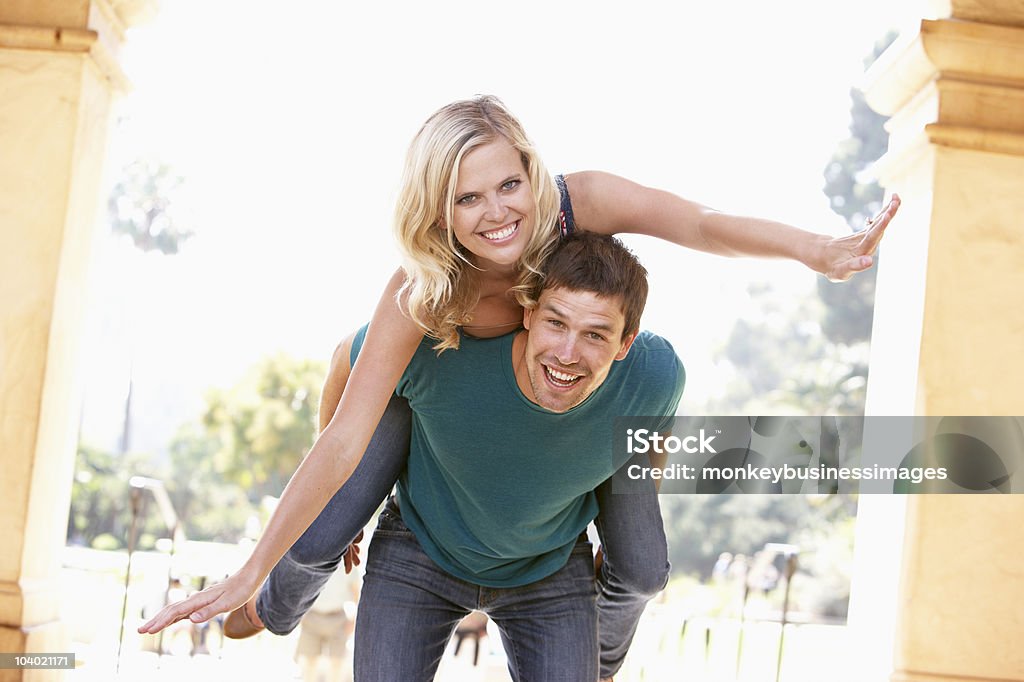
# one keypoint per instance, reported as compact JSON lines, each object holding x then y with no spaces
{"x":527,"y":313}
{"x":627,"y":343}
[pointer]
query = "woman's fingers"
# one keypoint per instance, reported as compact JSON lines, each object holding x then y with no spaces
{"x":180,"y":610}
{"x":848,"y":268}
{"x":873,"y":235}
{"x":223,"y":604}
{"x":166,"y":616}
{"x":855,"y":252}
{"x":171,"y":613}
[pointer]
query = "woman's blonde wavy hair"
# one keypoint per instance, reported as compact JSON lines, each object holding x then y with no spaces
{"x":439,"y":292}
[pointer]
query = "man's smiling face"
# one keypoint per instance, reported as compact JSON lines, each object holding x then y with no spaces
{"x":572,"y":339}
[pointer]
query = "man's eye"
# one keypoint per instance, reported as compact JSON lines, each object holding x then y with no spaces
{"x":596,"y":337}
{"x":556,"y":323}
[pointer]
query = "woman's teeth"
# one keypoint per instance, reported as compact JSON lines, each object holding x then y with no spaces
{"x":495,"y":235}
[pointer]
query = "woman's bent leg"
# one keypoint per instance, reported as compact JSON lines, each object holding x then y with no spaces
{"x":295,"y":582}
{"x":635,"y":565}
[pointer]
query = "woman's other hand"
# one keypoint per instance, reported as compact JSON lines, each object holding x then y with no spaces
{"x":843,"y":257}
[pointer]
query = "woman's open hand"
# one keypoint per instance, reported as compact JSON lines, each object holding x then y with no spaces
{"x":202,"y":606}
{"x":846,"y":256}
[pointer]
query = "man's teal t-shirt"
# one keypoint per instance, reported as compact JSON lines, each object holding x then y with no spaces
{"x":498,"y":489}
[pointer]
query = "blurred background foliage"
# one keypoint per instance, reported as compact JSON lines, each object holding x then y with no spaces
{"x":243,"y":447}
{"x":797,"y":357}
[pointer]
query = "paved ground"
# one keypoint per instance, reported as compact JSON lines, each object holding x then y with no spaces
{"x":265,"y":657}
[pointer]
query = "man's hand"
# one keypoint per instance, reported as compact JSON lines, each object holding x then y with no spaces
{"x":843,"y":257}
{"x":351,"y":555}
{"x":202,"y":606}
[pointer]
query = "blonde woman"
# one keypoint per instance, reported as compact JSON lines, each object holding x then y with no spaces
{"x":476,"y":217}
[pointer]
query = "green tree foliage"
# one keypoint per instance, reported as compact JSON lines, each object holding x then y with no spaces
{"x":246,"y":445}
{"x":702,"y":527}
{"x":797,"y":357}
{"x":807,"y":357}
{"x":210,"y":506}
{"x":100,"y":500}
{"x":141,"y":206}
{"x":849,"y":306}
{"x":264,"y":426}
{"x":785,"y":364}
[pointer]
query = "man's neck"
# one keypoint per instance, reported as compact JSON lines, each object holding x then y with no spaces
{"x":519,"y":366}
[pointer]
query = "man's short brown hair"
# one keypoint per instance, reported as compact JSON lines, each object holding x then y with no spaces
{"x":601,"y":264}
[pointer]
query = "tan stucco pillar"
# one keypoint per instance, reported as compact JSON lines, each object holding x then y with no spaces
{"x":938,"y":589}
{"x":58,"y":76}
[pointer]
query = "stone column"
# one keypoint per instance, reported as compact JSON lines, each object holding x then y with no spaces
{"x":58,"y":76}
{"x":948,"y":340}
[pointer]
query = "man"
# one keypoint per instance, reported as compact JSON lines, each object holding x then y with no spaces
{"x":510,"y":438}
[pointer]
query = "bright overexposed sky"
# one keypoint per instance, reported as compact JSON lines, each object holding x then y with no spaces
{"x":289,"y":123}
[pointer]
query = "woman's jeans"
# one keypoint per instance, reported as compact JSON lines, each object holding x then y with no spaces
{"x":630,"y":527}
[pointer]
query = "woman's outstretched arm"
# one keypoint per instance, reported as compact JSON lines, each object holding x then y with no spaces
{"x":390,"y":343}
{"x":609,"y":204}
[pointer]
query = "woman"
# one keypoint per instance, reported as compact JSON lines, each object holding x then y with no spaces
{"x":476,"y":217}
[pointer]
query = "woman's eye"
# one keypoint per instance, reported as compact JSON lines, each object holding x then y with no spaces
{"x":466,"y":200}
{"x":511,"y":184}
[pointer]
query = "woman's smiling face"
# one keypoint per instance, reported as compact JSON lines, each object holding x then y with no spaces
{"x":493,"y":205}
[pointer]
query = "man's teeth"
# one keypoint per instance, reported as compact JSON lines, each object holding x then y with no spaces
{"x":561,"y":377}
{"x":502,"y":233}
